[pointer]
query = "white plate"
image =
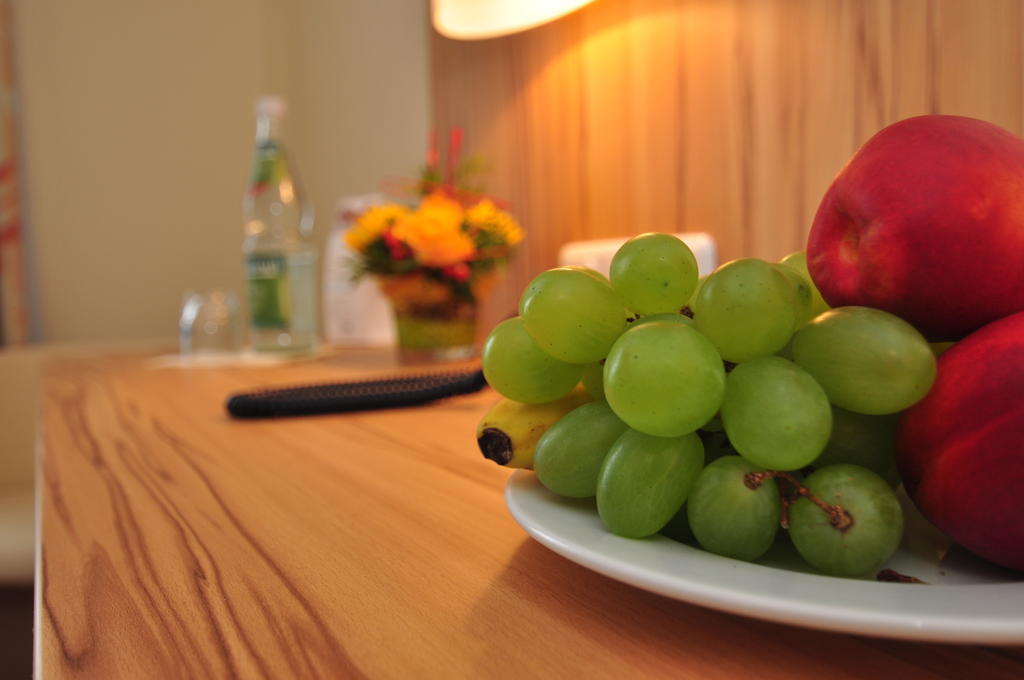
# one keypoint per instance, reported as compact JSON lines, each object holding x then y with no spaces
{"x":966,"y":600}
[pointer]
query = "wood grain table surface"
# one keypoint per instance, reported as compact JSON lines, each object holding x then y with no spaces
{"x":176,"y":542}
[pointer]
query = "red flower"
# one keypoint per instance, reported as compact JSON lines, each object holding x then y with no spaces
{"x":457,"y":272}
{"x":398,"y":250}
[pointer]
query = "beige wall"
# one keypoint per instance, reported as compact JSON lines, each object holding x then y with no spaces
{"x":137,"y":125}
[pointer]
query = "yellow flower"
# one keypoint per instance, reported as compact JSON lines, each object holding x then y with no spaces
{"x":372,"y":224}
{"x":482,"y":212}
{"x":485,"y":216}
{"x":434,"y":233}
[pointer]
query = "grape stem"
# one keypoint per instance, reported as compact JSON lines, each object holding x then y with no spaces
{"x":838,"y":516}
{"x":893,"y":576}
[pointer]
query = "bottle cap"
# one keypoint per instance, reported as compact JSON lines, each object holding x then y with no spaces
{"x":270,"y":105}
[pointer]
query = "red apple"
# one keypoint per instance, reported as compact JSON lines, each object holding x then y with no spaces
{"x":926,"y":221}
{"x":961,"y":449}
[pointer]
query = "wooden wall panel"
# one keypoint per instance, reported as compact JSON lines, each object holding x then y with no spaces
{"x":729,"y":116}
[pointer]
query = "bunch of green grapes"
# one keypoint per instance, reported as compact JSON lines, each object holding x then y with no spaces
{"x":725,"y":407}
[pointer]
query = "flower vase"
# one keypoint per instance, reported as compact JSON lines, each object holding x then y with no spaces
{"x":432,"y":321}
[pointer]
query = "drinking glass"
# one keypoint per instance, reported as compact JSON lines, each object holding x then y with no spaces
{"x":209,"y":323}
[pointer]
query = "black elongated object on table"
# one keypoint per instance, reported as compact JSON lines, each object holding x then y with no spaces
{"x":303,"y":400}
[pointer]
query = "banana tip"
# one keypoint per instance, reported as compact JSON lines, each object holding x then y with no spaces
{"x":495,"y":445}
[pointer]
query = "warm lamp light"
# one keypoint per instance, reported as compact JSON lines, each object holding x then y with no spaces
{"x":476,"y":19}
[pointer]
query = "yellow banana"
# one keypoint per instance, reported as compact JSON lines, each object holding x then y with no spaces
{"x":508,"y":433}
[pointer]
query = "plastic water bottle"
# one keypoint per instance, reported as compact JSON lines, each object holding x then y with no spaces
{"x":278,"y":247}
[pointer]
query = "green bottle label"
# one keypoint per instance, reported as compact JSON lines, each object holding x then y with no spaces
{"x":268,"y":291}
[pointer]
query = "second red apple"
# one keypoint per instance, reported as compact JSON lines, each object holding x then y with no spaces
{"x":926,"y":221}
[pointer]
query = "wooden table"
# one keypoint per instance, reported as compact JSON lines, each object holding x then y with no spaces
{"x":179,"y":543}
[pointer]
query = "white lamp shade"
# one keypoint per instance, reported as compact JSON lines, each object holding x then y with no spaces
{"x":476,"y":19}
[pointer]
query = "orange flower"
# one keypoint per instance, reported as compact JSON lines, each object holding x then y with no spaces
{"x":434,"y":233}
{"x":441,"y":207}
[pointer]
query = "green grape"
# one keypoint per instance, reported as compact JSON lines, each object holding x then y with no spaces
{"x":868,"y":361}
{"x":654,"y":273}
{"x":868,"y":441}
{"x":801,"y":294}
{"x":593,"y":380}
{"x":592,"y":273}
{"x":747,"y":308}
{"x":798,"y":262}
{"x":568,"y":456}
{"x":664,"y":378}
{"x":871,"y":538}
{"x":729,"y":518}
{"x":775,"y":414}
{"x":673,"y":317}
{"x":644,"y":481}
{"x":574,"y":316}
{"x":517,"y":368}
